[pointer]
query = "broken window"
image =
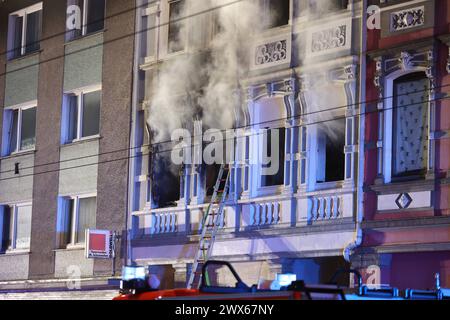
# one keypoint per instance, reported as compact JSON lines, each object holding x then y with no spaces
{"x":330,"y":163}
{"x":278,"y":158}
{"x":410,"y":125}
{"x":166,"y":181}
{"x":176,"y":25}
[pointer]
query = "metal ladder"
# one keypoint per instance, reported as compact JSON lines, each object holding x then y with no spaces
{"x":210,"y":223}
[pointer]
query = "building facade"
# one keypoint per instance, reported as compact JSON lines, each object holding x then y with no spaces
{"x":66,"y":72}
{"x":294,"y":76}
{"x":405,"y":232}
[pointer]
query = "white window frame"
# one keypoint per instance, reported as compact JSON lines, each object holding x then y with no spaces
{"x":74,"y":217}
{"x":21,"y":13}
{"x":387,"y":152}
{"x":85,"y":15}
{"x":79,"y":93}
{"x":165,"y":26}
{"x":14,"y":208}
{"x":5,"y":143}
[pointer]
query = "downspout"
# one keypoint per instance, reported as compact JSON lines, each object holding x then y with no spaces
{"x":134,"y":123}
{"x":357,"y":238}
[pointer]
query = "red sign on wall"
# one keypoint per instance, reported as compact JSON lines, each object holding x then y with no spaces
{"x":99,"y":244}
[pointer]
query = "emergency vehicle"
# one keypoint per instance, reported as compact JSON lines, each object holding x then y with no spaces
{"x":135,"y":286}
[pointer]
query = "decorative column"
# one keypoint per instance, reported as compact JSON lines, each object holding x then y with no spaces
{"x":292,"y":135}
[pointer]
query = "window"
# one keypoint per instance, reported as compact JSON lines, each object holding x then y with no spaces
{"x":76,"y":214}
{"x":326,"y":6}
{"x":330,"y":163}
{"x":24,"y":31}
{"x":15,"y":227}
{"x":19,"y":129}
{"x":85,"y":17}
{"x":277,"y":178}
{"x":165,"y":173}
{"x":81,"y":115}
{"x":176,"y":41}
{"x":410,"y":125}
{"x":277,"y":12}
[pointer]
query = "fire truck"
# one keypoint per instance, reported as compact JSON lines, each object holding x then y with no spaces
{"x":135,"y":286}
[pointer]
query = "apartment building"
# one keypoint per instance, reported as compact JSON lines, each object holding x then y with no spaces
{"x":290,"y":69}
{"x":65,"y":92}
{"x":405,"y":233}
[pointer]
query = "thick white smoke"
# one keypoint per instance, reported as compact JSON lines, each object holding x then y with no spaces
{"x":190,"y":82}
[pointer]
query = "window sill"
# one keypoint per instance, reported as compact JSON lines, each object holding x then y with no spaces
{"x":24,"y":56}
{"x":329,"y":185}
{"x":82,"y":140}
{"x":15,"y":252}
{"x":86,"y":36}
{"x":19,"y":153}
{"x":73,"y":247}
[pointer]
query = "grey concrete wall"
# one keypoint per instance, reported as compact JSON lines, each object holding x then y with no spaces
{"x":14,"y":266}
{"x":45,"y":184}
{"x":83,"y":62}
{"x":22,"y":80}
{"x":17,"y":187}
{"x":78,"y":169}
{"x":115,"y":122}
{"x":65,"y":259}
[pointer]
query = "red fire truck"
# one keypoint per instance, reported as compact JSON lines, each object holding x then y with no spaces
{"x":135,"y":286}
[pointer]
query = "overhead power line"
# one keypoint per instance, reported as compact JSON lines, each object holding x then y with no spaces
{"x":182,"y":148}
{"x":320,"y":110}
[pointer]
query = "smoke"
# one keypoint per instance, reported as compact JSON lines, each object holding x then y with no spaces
{"x":204,"y":83}
{"x":325,"y":98}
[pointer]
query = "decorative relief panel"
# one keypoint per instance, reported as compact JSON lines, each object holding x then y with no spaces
{"x":271,"y":52}
{"x":409,"y":18}
{"x":330,"y":38}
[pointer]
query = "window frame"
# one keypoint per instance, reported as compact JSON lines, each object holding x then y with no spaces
{"x":7,"y":129}
{"x":178,"y":24}
{"x":386,"y":166}
{"x":73,"y":216}
{"x":79,"y":93}
{"x":14,"y":209}
{"x":84,"y":23}
{"x":21,"y":13}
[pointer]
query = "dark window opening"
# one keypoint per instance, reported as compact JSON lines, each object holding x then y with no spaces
{"x":410,"y":125}
{"x":95,"y":16}
{"x":166,"y":181}
{"x":276,"y":13}
{"x":278,"y":178}
{"x":211,"y":174}
{"x":33,"y":33}
{"x":330,"y":148}
{"x":6,"y":232}
{"x":176,"y":39}
{"x":327,"y":6}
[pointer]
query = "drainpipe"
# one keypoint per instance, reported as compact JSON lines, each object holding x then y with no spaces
{"x":357,"y":238}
